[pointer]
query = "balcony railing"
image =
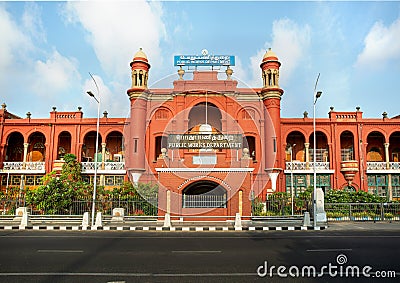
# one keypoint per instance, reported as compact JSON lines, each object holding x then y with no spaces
{"x":383,"y":166}
{"x":295,"y":165}
{"x":108,"y":166}
{"x":21,"y":166}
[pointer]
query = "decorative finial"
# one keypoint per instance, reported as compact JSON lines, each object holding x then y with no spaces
{"x":358,"y":108}
{"x":181,"y":72}
{"x":105,"y":114}
{"x":28,"y":115}
{"x":79,"y":109}
{"x":384,"y":114}
{"x":332,"y":108}
{"x":305,"y":114}
{"x":4,"y":106}
{"x":54,"y":109}
{"x":229,"y":73}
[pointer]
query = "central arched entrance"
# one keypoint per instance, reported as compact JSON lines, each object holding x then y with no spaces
{"x":204,"y":194}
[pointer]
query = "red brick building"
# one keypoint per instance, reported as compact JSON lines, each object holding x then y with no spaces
{"x":209,"y":144}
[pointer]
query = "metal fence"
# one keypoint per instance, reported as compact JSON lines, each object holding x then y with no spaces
{"x":132,"y":207}
{"x":202,"y":201}
{"x":280,"y":206}
{"x":362,"y":211}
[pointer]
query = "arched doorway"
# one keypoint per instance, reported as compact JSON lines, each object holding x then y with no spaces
{"x":375,"y":148}
{"x":37,"y":149}
{"x":15,"y":147}
{"x":204,"y":194}
{"x":114,"y":146}
{"x":64,"y":144}
{"x":347,"y":146}
{"x":89,"y":147}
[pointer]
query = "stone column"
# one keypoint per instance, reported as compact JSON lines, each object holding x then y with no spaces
{"x":25,"y":152}
{"x":103,"y":154}
{"x":390,"y":189}
{"x":387,"y":154}
{"x":307,"y":153}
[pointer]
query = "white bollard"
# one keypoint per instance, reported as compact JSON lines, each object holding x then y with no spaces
{"x":24,"y":219}
{"x":167,"y":220}
{"x":118,"y":215}
{"x":306,"y":219}
{"x":99,"y":220}
{"x":238,"y":221}
{"x":85,"y":220}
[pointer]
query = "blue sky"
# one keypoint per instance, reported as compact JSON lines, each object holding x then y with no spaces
{"x":48,"y":48}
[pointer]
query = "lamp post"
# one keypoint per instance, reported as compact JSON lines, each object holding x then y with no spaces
{"x":97,"y":146}
{"x":316,"y":95}
{"x":291,"y":175}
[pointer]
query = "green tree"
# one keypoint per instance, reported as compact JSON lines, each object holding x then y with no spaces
{"x":58,"y":192}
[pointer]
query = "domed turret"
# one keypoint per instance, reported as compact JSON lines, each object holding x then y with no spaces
{"x":270,"y":69}
{"x":140,"y":69}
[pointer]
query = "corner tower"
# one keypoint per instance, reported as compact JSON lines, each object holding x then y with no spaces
{"x":271,"y":95}
{"x":138,"y":96}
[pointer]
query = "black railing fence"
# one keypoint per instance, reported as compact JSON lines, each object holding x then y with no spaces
{"x":132,"y":207}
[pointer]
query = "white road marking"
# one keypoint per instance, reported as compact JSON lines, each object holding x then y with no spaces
{"x":198,"y":252}
{"x":330,"y":250}
{"x":60,"y":251}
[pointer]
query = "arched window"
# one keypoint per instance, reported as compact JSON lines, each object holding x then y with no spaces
{"x":160,"y":142}
{"x":250,"y":143}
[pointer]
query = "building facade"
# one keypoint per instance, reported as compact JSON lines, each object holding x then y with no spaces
{"x":210,"y":145}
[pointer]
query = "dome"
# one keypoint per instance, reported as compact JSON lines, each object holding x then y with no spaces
{"x":140,"y":54}
{"x":270,"y":54}
{"x":140,"y":57}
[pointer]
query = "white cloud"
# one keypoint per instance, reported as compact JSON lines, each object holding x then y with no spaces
{"x":291,"y":43}
{"x":32,"y":21}
{"x":13,"y":42}
{"x":54,"y":75}
{"x":118,"y":29}
{"x":381,"y":45}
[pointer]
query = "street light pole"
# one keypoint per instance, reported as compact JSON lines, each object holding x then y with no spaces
{"x":97,"y":147}
{"x":316,"y":95}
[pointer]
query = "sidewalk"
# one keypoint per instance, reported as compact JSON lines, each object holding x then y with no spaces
{"x":363,"y":225}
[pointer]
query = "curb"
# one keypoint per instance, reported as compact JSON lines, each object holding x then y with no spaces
{"x":172,"y":229}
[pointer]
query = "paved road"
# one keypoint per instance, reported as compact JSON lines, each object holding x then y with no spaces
{"x":124,"y":256}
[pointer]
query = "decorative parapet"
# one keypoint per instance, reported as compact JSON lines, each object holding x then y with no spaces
{"x":383,"y":167}
{"x":109,"y":167}
{"x":70,"y":115}
{"x":24,"y":167}
{"x":307,"y":166}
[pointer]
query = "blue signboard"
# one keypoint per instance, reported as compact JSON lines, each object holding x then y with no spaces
{"x":204,"y":60}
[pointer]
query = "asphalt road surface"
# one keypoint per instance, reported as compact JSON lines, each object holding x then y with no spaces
{"x":332,"y":255}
